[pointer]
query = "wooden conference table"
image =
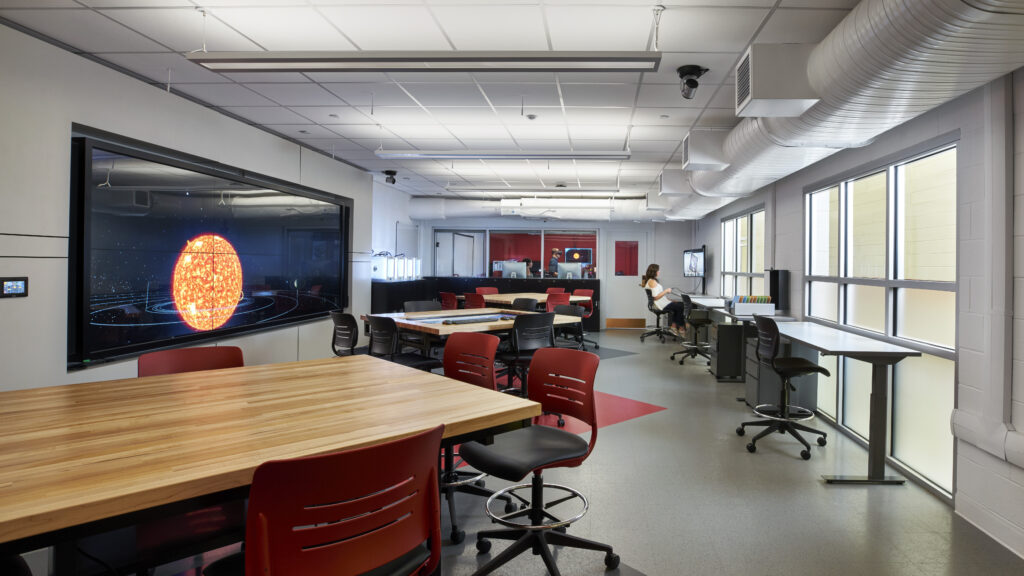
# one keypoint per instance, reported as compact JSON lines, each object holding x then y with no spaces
{"x":541,"y":298}
{"x":73,"y":457}
{"x":880,"y":355}
{"x":432,"y":323}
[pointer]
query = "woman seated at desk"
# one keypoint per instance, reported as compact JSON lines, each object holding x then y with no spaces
{"x":676,"y":310}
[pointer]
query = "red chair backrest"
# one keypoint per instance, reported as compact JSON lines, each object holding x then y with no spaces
{"x":475,"y":300}
{"x":189,"y":360}
{"x":556,"y":300}
{"x":449,"y":301}
{"x":486,"y":290}
{"x":587,"y":304}
{"x":469,"y":357}
{"x":562,"y":381}
{"x":347,"y":512}
{"x":555,"y":290}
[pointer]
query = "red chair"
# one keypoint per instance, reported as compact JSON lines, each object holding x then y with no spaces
{"x":475,"y":300}
{"x":562,"y":381}
{"x":449,"y":301}
{"x":189,"y":360}
{"x":486,"y":290}
{"x":317,"y":515}
{"x":555,"y":290}
{"x":557,"y":299}
{"x":587,"y":305}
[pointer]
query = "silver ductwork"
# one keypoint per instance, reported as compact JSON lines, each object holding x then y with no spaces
{"x":885,"y":63}
{"x":449,"y":208}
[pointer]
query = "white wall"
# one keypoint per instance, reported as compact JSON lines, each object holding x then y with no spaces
{"x":43,"y":90}
{"x":989,"y":479}
{"x":390,"y":207}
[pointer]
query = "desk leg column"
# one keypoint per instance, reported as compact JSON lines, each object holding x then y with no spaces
{"x":877,"y":444}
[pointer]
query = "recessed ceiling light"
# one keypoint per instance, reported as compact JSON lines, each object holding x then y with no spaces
{"x":303,"y":131}
{"x":333,"y":115}
{"x":428,"y":61}
{"x":664,"y":116}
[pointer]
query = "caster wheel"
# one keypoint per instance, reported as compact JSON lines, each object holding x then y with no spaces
{"x":510,"y":507}
{"x":483,"y":546}
{"x":751,"y":448}
{"x":740,"y":431}
{"x":671,"y":357}
{"x":641,"y":339}
{"x":597,"y":346}
{"x":662,"y":338}
{"x":611,"y":560}
{"x":821,"y":441}
{"x":805,"y":454}
{"x":682,"y":362}
{"x":458,"y":536}
{"x":561,"y":423}
{"x":481,"y":483}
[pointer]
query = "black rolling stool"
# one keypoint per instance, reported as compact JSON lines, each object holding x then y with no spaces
{"x":658,"y":331}
{"x":530,"y":332}
{"x":693,"y":348}
{"x":785,"y":417}
{"x":346,"y":333}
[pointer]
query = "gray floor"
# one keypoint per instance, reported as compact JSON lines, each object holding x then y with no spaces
{"x":677,"y":493}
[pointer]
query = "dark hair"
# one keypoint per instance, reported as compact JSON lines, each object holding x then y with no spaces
{"x":652,"y":271}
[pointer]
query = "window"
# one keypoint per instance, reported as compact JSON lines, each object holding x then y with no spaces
{"x":881,"y":258}
{"x":487,"y":253}
{"x":743,"y":255}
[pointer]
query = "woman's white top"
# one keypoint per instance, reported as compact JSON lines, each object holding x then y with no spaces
{"x":657,"y":289}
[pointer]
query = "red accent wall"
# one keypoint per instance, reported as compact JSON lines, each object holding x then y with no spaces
{"x":512,"y":246}
{"x":626,"y":259}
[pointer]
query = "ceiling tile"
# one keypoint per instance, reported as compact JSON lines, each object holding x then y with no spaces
{"x":514,"y":116}
{"x":430,"y":77}
{"x":800,"y":25}
{"x":267,"y":114}
{"x":362,"y":131}
{"x":224,"y":94}
{"x":576,"y":115}
{"x":292,"y":28}
{"x":465,"y":115}
{"x":446,"y":94}
{"x":719,"y":65}
{"x":665,"y":116}
{"x":545,"y":144}
{"x":448,"y":143}
{"x":589,"y":145}
{"x":724,"y":97}
{"x":654,"y":145}
{"x":83,"y":29}
{"x":410,"y":131}
{"x":724,"y":117}
{"x":598,"y":132}
{"x":131,"y":3}
{"x":358,"y":94}
{"x":39,"y":4}
{"x":333,"y":114}
{"x":266,"y":77}
{"x":505,"y":143}
{"x":709,"y":29}
{"x":538,"y":132}
{"x":297,"y":94}
{"x":336,"y":144}
{"x":388,"y":27}
{"x":599,"y":77}
{"x":590,"y":27}
{"x":475,"y":27}
{"x":522,"y":94}
{"x":388,"y":115}
{"x":599,"y":94}
{"x":479,"y":131}
{"x":668,"y":96}
{"x":388,"y":142}
{"x":155,"y":65}
{"x":301,"y":130}
{"x":675,"y":133}
{"x":513,"y":77}
{"x":847,"y":4}
{"x":182,"y":29}
{"x":359,"y":77}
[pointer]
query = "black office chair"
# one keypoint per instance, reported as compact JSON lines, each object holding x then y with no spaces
{"x":346,"y":333}
{"x":573,"y":332}
{"x":384,"y":343}
{"x":414,"y":339}
{"x":785,"y":417}
{"x":530,"y":332}
{"x":527,"y":304}
{"x":658,"y":331}
{"x":693,"y":348}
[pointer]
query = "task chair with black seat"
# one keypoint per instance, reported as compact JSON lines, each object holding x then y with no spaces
{"x":573,"y":332}
{"x":530,"y":333}
{"x":314,"y":515}
{"x":562,"y":381}
{"x":468,"y":357}
{"x":695,"y":322}
{"x":556,"y":299}
{"x":345,"y":337}
{"x":658,"y":330}
{"x":784,"y":417}
{"x":384,"y":343}
{"x":526,"y":304}
{"x":588,"y":311}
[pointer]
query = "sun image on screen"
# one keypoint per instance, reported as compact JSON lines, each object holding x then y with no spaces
{"x":207,"y":282}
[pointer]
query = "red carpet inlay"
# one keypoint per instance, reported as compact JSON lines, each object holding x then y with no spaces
{"x":611,"y":409}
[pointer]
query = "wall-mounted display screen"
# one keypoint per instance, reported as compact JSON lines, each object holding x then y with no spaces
{"x":167,"y":251}
{"x":693,"y":262}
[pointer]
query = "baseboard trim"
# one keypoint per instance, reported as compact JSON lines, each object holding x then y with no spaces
{"x":625,"y":322}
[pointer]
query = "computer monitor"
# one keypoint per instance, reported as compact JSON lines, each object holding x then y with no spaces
{"x":581,"y":255}
{"x":570,"y":270}
{"x":693,"y":262}
{"x":514,"y":270}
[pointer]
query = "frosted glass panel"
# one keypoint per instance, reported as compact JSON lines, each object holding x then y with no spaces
{"x":824,"y":300}
{"x":824,"y":237}
{"x":757,"y":286}
{"x":922,"y":401}
{"x":927,"y":226}
{"x":857,"y":396}
{"x":742,"y":231}
{"x":757,"y":242}
{"x":866,"y":223}
{"x":865,"y":307}
{"x":926,"y":316}
{"x":728,"y":285}
{"x":729,"y":246}
{"x":827,"y":385}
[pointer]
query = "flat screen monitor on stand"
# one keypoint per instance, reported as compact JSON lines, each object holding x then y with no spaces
{"x":514,"y":270}
{"x":694,"y":264}
{"x":570,"y":270}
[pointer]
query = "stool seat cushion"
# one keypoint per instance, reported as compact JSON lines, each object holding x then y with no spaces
{"x":796,"y":366}
{"x":515,"y":454}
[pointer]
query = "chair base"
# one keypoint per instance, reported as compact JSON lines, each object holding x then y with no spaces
{"x":466,"y":482}
{"x":537,"y":536}
{"x":782,"y":427}
{"x":660,"y":332}
{"x":692,"y":351}
{"x":792,"y":413}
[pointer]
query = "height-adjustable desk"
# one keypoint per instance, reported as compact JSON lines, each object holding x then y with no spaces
{"x":880,"y":355}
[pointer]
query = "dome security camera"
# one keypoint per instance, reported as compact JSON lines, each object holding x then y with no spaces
{"x":390,"y":176}
{"x":688,"y":79}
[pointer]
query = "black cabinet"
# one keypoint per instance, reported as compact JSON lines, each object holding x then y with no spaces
{"x":727,"y":351}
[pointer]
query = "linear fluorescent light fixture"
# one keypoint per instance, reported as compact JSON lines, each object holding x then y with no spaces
{"x":502,"y":154}
{"x":530,"y":190}
{"x":428,"y":61}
